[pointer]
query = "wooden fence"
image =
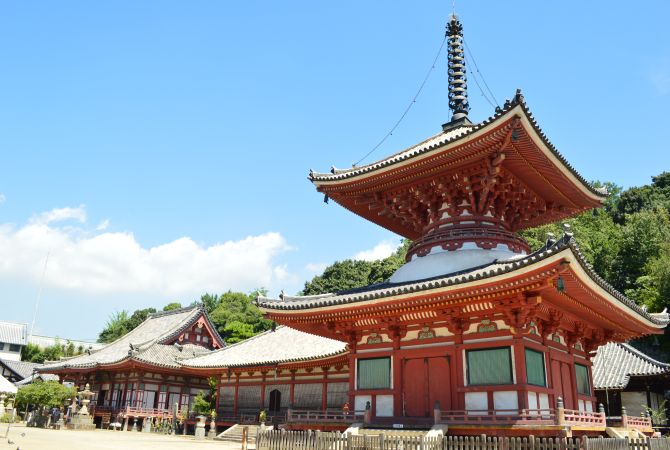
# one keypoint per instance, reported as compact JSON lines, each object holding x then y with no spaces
{"x":308,"y":440}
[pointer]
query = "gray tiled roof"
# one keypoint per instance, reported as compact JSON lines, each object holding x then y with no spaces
{"x":285,"y":344}
{"x":48,"y":341}
{"x":387,"y":289}
{"x":144,"y":343}
{"x":37,"y":376}
{"x":22,"y":369}
{"x":615,"y":363}
{"x":13,"y":333}
{"x":438,"y":141}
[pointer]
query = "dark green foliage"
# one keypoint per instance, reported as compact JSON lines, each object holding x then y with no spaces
{"x":116,"y":326}
{"x":350,"y":274}
{"x":236,"y":317}
{"x":32,"y":353}
{"x":172,"y":306}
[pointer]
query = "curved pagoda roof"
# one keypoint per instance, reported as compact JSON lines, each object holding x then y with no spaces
{"x":586,"y":296}
{"x":549,"y":187}
{"x":153,"y":342}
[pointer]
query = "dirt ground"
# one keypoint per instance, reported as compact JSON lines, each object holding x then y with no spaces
{"x":24,"y":438}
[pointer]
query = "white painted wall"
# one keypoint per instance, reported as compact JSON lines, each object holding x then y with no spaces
{"x":384,"y":405}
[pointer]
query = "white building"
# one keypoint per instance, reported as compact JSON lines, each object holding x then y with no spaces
{"x":13,"y":337}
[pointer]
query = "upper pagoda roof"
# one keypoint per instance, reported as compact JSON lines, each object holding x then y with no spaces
{"x":152,"y":343}
{"x":530,"y":158}
{"x":500,"y":272}
{"x":615,"y":363}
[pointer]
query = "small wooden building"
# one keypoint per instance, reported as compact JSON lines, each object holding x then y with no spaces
{"x":625,"y":377}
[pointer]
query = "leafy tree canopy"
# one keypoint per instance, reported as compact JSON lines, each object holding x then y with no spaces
{"x":47,"y":393}
{"x":350,"y":274}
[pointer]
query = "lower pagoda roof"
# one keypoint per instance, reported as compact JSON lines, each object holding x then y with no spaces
{"x":386,"y":296}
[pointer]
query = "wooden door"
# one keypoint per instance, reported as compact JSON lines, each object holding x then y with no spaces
{"x":568,"y":388}
{"x":439,"y":383}
{"x":275,"y":401}
{"x":414,"y":391}
{"x":426,"y":380}
{"x":562,"y":382}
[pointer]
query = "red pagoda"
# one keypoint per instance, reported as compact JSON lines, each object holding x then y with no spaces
{"x":474,"y":330}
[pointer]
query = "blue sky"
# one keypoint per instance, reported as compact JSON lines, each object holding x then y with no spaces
{"x":160,"y":149}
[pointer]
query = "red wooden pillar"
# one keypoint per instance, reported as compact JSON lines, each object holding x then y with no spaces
{"x":398,"y":381}
{"x":521,"y":377}
{"x":458,"y":397}
{"x":263,"y":390}
{"x":237,"y":385}
{"x":324,"y":389}
{"x":218,"y":393}
{"x":291,"y":389}
{"x":352,"y":374}
{"x":573,"y":377}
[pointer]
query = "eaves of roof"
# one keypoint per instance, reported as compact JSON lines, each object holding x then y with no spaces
{"x":451,"y":137}
{"x":388,"y":289}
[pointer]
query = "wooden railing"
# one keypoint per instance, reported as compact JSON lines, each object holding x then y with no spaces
{"x":499,"y":416}
{"x":307,"y":416}
{"x":146,"y":412}
{"x":584,"y":418}
{"x":640,"y":423}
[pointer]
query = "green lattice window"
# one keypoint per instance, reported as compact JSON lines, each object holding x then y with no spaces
{"x":535,"y":368}
{"x":374,"y":373}
{"x":583,"y":383}
{"x":489,"y":366}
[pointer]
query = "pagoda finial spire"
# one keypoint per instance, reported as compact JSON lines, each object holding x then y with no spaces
{"x":458,"y":87}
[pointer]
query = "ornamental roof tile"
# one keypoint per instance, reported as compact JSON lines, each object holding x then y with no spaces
{"x":451,"y":136}
{"x":145,"y":343}
{"x":285,"y":344}
{"x":387,"y":289}
{"x":14,"y":333}
{"x":615,"y":363}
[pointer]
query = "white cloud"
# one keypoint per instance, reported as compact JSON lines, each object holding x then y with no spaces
{"x":3,"y":199}
{"x":102,"y":263}
{"x":380,"y":251}
{"x":102,"y":226}
{"x":316,"y":267}
{"x":61,"y":214}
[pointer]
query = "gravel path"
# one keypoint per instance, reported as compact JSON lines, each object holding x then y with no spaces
{"x":41,"y":439}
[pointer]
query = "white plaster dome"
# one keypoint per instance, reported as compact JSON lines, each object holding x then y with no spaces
{"x":442,"y":262}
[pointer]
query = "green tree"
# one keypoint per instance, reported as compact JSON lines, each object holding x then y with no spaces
{"x":116,"y":326}
{"x":47,"y":393}
{"x":351,"y":274}
{"x":171,"y":306}
{"x":32,"y":353}
{"x":642,"y":238}
{"x":236,"y":317}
